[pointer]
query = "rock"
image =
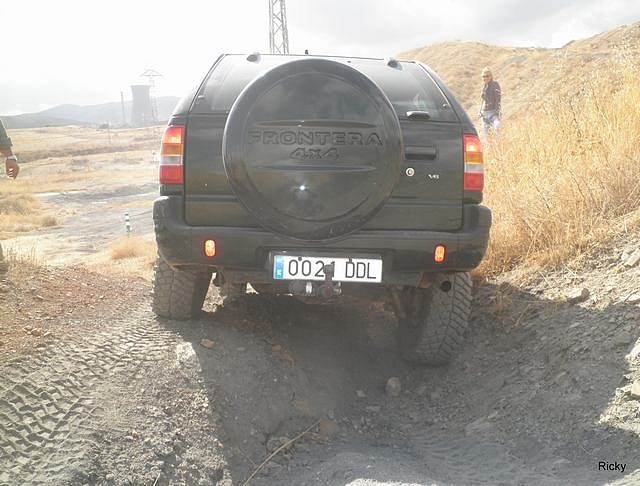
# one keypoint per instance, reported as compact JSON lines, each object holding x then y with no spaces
{"x":36,"y":331}
{"x":361,"y":394}
{"x":623,"y":338}
{"x":162,"y":450}
{"x":328,"y":429}
{"x":633,"y":298}
{"x":635,"y":389}
{"x":393,"y":387}
{"x":635,"y":352}
{"x":373,"y":409}
{"x":576,"y":295}
{"x":633,"y":259}
{"x":186,"y":356}
{"x":207,"y":343}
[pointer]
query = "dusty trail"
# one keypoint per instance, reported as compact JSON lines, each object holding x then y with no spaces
{"x":142,"y":399}
{"x":540,"y":394}
{"x":89,"y":221}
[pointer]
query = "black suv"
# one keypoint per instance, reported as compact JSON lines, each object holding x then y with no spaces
{"x":316,"y":176}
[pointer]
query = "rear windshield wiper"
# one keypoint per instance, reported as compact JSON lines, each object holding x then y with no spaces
{"x":422,"y":115}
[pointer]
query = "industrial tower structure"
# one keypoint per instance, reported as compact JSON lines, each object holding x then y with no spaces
{"x":151,"y":74}
{"x":278,"y":34}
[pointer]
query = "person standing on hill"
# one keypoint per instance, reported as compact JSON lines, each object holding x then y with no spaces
{"x":11,"y":168}
{"x":491,"y":101}
{"x":11,"y":161}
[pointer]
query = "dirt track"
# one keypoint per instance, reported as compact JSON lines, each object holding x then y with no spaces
{"x":128,"y":399}
{"x":95,"y":390}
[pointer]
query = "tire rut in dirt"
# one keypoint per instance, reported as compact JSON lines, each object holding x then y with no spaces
{"x":47,"y":402}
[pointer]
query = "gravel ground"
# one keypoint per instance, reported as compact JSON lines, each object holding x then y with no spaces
{"x":95,"y":390}
{"x":542,"y":392}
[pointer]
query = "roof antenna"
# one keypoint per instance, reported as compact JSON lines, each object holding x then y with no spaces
{"x":391,"y":62}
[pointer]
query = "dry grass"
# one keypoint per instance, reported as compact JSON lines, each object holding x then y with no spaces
{"x":63,"y":159}
{"x":17,"y":204}
{"x":133,"y":246}
{"x":132,"y":255}
{"x":20,"y":213}
{"x":48,"y":221}
{"x":566,"y":179}
{"x":80,"y":142}
{"x":527,"y":75}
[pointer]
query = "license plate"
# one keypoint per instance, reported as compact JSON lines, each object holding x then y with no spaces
{"x":292,"y":267}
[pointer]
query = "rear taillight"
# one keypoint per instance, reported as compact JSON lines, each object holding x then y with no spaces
{"x":473,"y":163}
{"x":210,"y":248}
{"x":171,"y":155}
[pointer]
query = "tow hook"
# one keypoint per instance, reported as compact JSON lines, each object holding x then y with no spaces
{"x":326,"y":289}
{"x":329,"y":289}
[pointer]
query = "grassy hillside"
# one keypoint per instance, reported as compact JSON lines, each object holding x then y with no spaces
{"x":566,"y":180}
{"x":563,"y":176}
{"x":529,"y":75}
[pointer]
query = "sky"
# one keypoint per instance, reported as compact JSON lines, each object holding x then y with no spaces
{"x":86,"y":52}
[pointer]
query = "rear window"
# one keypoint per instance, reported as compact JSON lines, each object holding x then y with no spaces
{"x":408,"y":86}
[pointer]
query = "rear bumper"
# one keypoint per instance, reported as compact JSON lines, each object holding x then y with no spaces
{"x":245,"y":251}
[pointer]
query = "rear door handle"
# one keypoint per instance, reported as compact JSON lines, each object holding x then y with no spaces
{"x":421,"y":153}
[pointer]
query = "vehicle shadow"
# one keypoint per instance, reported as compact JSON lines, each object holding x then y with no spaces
{"x":534,"y":396}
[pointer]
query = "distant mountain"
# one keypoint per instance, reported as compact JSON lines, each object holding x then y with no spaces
{"x":91,"y":115}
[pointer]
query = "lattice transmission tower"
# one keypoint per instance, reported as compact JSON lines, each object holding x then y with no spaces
{"x":151,"y":74}
{"x":278,"y":34}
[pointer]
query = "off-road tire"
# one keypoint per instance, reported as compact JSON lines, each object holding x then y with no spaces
{"x":178,"y":294}
{"x":431,"y":332}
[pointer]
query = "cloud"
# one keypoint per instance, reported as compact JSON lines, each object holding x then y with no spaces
{"x":87,"y":52}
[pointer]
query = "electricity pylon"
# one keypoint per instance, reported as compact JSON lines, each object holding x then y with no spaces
{"x":278,"y":34}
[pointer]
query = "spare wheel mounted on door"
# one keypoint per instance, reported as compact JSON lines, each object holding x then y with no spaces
{"x":313,"y":149}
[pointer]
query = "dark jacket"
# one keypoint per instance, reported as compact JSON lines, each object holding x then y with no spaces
{"x":491,"y":96}
{"x":5,"y":141}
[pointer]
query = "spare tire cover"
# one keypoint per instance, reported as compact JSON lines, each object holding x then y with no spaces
{"x":313,"y":149}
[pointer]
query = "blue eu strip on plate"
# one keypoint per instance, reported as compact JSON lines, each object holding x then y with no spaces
{"x":278,"y":269}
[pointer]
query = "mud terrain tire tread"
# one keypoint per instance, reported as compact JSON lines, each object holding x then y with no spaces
{"x":433,"y":334}
{"x":178,"y":294}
